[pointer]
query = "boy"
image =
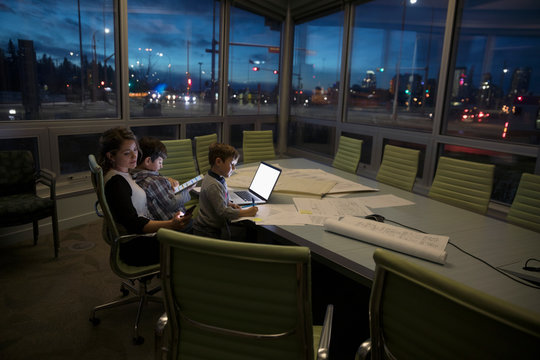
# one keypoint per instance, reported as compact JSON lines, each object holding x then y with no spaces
{"x":161,"y":199}
{"x":215,"y":209}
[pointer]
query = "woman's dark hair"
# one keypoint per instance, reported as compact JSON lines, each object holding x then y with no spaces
{"x":110,"y":141}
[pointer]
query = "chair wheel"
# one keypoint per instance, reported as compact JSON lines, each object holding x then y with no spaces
{"x":125,"y":292}
{"x":138,"y":340}
{"x":95,"y":321}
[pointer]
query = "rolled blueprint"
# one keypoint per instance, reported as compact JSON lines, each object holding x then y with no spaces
{"x":426,"y":246}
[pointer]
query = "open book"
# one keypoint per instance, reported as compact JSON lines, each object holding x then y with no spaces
{"x":426,"y":246}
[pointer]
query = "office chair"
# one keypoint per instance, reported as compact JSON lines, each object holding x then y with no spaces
{"x":525,"y":209}
{"x":348,"y":154}
{"x":135,"y":278}
{"x":202,"y":144}
{"x":418,"y":314}
{"x":258,"y":146}
{"x":399,"y":167}
{"x":234,"y":300}
{"x":180,"y":164}
{"x":465,"y":184}
{"x":19,"y":203}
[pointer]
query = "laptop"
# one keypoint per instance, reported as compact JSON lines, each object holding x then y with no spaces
{"x":261,"y":186}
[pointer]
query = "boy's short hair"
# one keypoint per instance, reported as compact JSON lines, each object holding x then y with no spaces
{"x":222,"y":151}
{"x":151,"y":147}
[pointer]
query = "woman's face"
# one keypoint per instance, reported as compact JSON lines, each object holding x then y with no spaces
{"x":125,"y":157}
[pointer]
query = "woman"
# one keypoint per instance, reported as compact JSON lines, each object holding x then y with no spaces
{"x":127,"y":201}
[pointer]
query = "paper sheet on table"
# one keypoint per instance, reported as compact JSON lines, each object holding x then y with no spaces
{"x":426,"y":246}
{"x":331,"y":207}
{"x":341,"y":185}
{"x":286,"y":183}
{"x":381,"y":201}
{"x":276,"y":214}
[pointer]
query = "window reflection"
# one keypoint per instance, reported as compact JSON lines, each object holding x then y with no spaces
{"x":254,"y":50}
{"x":495,"y":84}
{"x":173,"y":57}
{"x":63,"y":68}
{"x":316,"y":68}
{"x":395,"y":61}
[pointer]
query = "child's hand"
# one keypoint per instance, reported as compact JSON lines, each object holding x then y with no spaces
{"x":234,"y":206}
{"x":249,"y":212}
{"x":179,"y":221}
{"x":174,"y":183}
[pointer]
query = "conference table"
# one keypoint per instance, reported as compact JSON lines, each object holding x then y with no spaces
{"x":495,"y":241}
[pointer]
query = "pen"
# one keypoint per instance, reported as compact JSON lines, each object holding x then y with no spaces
{"x":252,"y":204}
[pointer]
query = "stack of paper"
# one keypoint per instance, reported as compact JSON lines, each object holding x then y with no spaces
{"x":426,"y":246}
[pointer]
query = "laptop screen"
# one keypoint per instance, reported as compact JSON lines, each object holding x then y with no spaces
{"x":264,"y":180}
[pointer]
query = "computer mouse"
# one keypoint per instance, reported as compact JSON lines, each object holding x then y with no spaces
{"x":375,"y":217}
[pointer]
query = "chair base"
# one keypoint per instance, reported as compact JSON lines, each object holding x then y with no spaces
{"x":141,"y":295}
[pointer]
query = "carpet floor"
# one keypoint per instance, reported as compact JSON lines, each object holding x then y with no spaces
{"x":45,"y":303}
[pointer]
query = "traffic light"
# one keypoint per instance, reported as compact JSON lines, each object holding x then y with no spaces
{"x":189,"y":82}
{"x":276,"y":72}
{"x":255,"y":68}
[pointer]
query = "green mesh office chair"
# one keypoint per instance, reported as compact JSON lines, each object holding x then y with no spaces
{"x":348,"y":154}
{"x":232,"y":300}
{"x":135,"y":278}
{"x":525,"y":209}
{"x":418,"y":314}
{"x":202,"y":143}
{"x":465,"y":184}
{"x":399,"y":167}
{"x":258,"y":146}
{"x":19,"y":203}
{"x":180,"y":164}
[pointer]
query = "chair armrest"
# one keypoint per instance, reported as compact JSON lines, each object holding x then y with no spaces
{"x":364,"y":350}
{"x":326,"y":334}
{"x":47,"y":178}
{"x":141,"y":270}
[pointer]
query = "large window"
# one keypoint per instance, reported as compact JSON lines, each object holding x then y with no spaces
{"x":395,"y":62}
{"x":173,"y":57}
{"x":316,"y":68}
{"x":57,"y":61}
{"x":494,"y":88}
{"x":254,"y":49}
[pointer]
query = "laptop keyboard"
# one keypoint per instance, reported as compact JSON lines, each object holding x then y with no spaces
{"x":245,"y":195}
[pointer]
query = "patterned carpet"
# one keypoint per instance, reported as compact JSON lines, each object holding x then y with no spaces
{"x":45,"y":302}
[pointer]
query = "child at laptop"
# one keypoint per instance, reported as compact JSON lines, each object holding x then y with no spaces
{"x":216,"y":211}
{"x":160,"y":196}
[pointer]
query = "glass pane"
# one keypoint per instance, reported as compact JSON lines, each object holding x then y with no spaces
{"x":237,"y":134}
{"x":173,"y":57}
{"x":162,"y":132}
{"x":201,"y":129}
{"x":495,"y":84}
{"x":315,"y":138}
{"x":74,"y":151}
{"x":316,"y":67}
{"x":57,"y":60}
{"x":253,"y":63}
{"x":508,"y":168}
{"x":396,"y":45}
{"x":27,"y":143}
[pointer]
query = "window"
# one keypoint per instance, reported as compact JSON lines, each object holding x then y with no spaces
{"x":494,"y":90}
{"x":173,"y":58}
{"x":316,"y":67}
{"x":311,"y":137}
{"x":75,"y":151}
{"x":395,"y":62}
{"x":57,"y":61}
{"x":254,"y":50}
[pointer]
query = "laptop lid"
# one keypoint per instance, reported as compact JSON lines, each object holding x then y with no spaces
{"x":264,"y":181}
